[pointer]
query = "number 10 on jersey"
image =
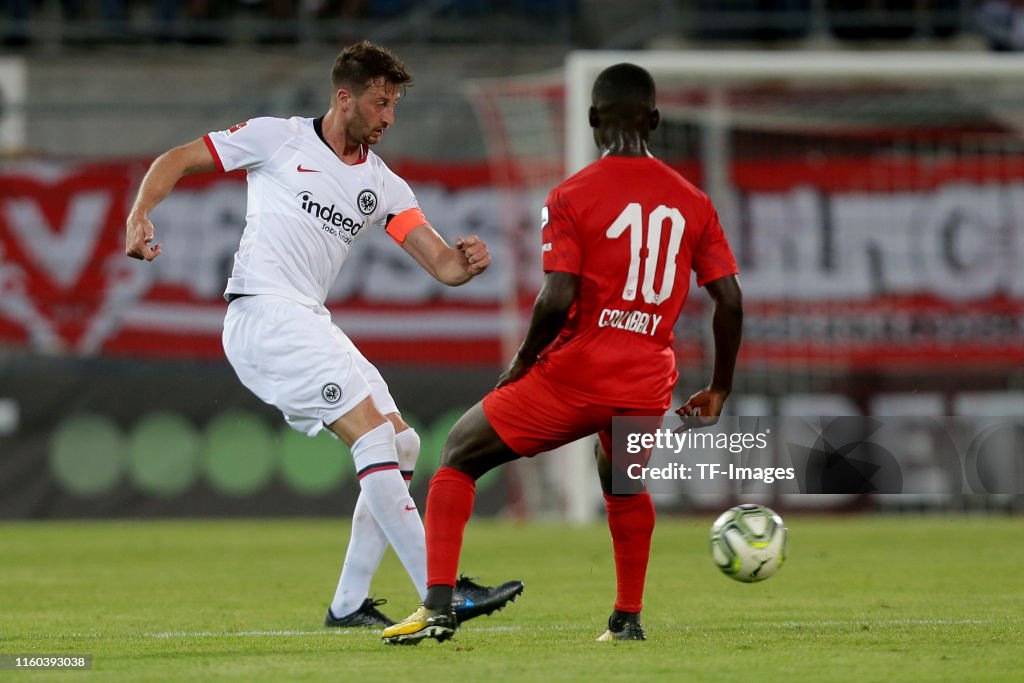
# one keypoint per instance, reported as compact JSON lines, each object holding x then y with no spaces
{"x":632,"y":219}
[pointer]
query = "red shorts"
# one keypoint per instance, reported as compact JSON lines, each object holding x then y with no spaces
{"x":532,"y":416}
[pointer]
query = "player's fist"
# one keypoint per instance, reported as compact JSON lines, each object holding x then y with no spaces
{"x":138,"y":234}
{"x":474,"y":254}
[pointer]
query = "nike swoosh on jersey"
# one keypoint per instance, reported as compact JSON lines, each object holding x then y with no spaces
{"x":305,"y":170}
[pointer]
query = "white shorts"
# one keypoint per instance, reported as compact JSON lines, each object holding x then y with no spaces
{"x":296,"y":359}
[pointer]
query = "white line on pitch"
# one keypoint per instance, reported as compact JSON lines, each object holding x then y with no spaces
{"x":552,"y":627}
{"x":346,"y":632}
{"x":889,"y":622}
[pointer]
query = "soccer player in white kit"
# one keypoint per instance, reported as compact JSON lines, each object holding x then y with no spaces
{"x":315,"y":187}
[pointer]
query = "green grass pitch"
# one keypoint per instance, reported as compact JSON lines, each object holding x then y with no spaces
{"x":938,"y":598}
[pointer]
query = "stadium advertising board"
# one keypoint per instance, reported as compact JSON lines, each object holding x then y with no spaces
{"x":840,"y":269}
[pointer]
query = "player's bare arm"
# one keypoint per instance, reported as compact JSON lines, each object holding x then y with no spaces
{"x":160,"y":179}
{"x":727,"y":327}
{"x":451,"y":265}
{"x":550,"y":311}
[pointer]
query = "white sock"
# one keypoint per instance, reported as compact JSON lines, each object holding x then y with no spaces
{"x":368,"y":543}
{"x":391,"y":505}
{"x":385,"y":495}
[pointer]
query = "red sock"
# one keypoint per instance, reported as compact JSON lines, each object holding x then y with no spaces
{"x":449,"y":505}
{"x":631,"y":521}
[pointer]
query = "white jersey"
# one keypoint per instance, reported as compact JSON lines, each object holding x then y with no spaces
{"x":306,"y":207}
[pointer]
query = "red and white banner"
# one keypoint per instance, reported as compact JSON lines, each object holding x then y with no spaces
{"x":67,"y":287}
{"x":846,"y":263}
{"x":874,"y":262}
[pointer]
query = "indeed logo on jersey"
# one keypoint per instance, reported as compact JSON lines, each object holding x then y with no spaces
{"x":630,"y":321}
{"x":335,"y":222}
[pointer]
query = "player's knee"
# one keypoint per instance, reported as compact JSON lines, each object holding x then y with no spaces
{"x":407,"y":442}
{"x":380,"y":436}
{"x":465,"y":457}
{"x":453,"y":454}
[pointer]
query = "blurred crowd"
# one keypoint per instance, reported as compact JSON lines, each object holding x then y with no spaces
{"x":1002,"y":24}
{"x":998,"y":23}
{"x":219,"y":21}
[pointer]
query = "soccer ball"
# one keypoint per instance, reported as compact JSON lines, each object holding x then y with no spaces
{"x":748,"y":543}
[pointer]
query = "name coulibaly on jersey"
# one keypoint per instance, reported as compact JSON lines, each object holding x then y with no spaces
{"x":633,"y":230}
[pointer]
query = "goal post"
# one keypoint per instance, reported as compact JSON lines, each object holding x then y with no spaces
{"x":875,"y":203}
{"x":709,"y":68}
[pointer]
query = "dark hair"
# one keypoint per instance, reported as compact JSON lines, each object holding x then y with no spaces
{"x":624,"y":85}
{"x":361,"y":65}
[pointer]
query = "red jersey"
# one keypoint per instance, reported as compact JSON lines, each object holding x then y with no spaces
{"x":632,"y":229}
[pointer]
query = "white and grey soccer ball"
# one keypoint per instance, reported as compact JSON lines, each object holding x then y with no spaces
{"x":748,"y":542}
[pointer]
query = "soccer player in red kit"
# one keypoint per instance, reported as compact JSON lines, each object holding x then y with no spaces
{"x":621,"y":238}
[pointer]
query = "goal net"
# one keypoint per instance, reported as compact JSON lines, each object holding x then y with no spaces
{"x":875,"y":202}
